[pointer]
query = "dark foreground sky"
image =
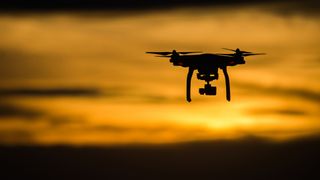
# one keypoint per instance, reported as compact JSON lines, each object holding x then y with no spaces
{"x":307,"y":6}
{"x":249,"y":158}
{"x":126,"y":4}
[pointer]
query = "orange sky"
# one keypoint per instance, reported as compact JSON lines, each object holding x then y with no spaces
{"x":139,"y":98}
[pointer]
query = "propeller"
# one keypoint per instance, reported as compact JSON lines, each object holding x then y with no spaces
{"x":241,"y":53}
{"x":236,"y":50}
{"x":191,"y":52}
{"x":165,"y":56}
{"x":160,"y":53}
{"x":165,"y":53}
{"x":253,"y":54}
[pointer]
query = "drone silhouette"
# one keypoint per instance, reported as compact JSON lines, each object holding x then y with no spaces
{"x":207,"y":65}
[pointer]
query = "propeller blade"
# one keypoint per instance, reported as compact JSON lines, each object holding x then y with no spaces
{"x":229,"y":49}
{"x":245,"y":52}
{"x":234,"y":50}
{"x":160,"y":53}
{"x":163,"y":56}
{"x":168,"y":53}
{"x":253,"y":54}
{"x":191,"y":52}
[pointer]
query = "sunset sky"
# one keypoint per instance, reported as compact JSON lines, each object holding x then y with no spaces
{"x":81,"y":77}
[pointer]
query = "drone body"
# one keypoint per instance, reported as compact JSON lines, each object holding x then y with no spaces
{"x":207,"y":65}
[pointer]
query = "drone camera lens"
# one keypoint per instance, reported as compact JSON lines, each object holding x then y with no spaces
{"x":208,"y":91}
{"x":211,"y":90}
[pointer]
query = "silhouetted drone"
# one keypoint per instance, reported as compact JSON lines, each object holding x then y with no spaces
{"x":207,"y":65}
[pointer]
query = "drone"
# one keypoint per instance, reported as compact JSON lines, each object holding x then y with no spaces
{"x":207,"y":65}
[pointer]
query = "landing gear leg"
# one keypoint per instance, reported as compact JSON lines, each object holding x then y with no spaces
{"x":189,"y":76}
{"x":226,"y":77}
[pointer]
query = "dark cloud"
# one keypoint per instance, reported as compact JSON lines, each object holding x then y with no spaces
{"x":27,"y":114}
{"x":281,"y":91}
{"x":146,"y":129}
{"x":20,"y":63}
{"x":108,"y":128}
{"x":10,"y":58}
{"x":108,"y":92}
{"x":62,"y":120}
{"x":9,"y":110}
{"x":305,"y":6}
{"x":160,"y":99}
{"x":9,"y":54}
{"x":12,"y":135}
{"x":268,"y":111}
{"x":53,"y":92}
{"x":309,"y":7}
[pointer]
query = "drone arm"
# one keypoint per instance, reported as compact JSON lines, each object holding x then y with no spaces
{"x":189,"y":76}
{"x":226,"y":77}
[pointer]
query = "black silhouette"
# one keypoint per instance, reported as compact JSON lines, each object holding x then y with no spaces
{"x":207,"y":65}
